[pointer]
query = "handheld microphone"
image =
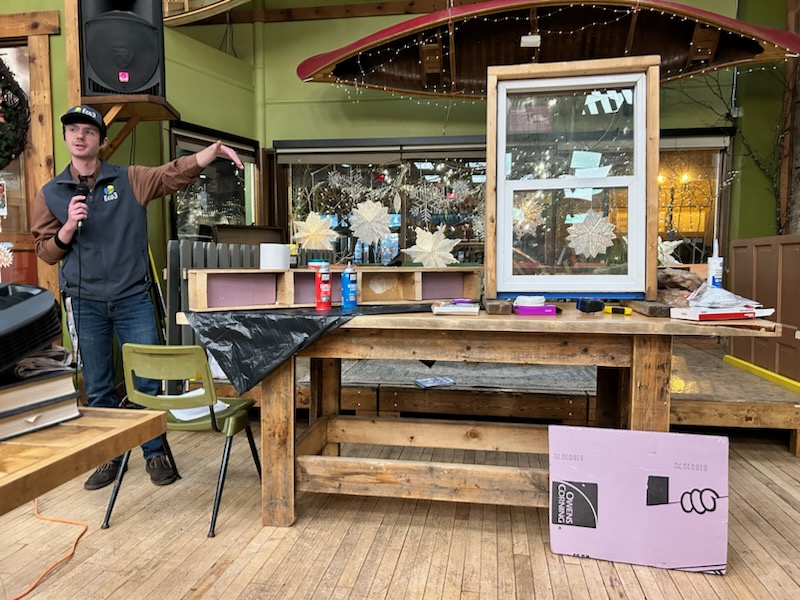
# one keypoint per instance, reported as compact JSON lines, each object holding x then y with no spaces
{"x":82,"y":190}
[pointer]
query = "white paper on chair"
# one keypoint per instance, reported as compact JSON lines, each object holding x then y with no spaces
{"x":189,"y":414}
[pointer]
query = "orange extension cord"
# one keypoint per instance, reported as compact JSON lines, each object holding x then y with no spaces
{"x":67,"y":556}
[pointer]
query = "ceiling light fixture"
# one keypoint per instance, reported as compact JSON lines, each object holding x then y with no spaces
{"x":530,"y":41}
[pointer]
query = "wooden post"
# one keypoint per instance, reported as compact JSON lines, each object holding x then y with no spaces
{"x":278,"y":446}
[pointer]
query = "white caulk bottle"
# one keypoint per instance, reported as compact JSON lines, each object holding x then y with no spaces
{"x":715,"y":267}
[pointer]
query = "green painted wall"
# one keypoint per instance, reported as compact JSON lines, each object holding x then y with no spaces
{"x":760,"y":96}
{"x":208,"y":87}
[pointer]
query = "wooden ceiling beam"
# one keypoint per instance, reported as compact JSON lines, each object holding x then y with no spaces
{"x":631,"y":33}
{"x":340,"y":11}
{"x":535,"y":31}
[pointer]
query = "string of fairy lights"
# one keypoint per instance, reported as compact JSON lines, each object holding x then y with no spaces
{"x":377,"y":61}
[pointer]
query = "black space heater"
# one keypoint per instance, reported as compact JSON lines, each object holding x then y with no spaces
{"x":30,"y":320}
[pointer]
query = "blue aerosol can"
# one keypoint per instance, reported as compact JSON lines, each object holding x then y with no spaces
{"x":349,"y":287}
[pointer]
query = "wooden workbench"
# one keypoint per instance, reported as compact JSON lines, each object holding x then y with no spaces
{"x":37,"y":462}
{"x":633,"y":358}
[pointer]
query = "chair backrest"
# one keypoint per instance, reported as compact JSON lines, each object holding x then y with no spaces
{"x":167,"y":363}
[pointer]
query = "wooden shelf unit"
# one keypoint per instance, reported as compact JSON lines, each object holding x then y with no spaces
{"x":226,"y":289}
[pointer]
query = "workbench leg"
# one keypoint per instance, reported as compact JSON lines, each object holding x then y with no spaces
{"x":651,"y":365}
{"x":794,"y":441}
{"x":278,"y":446}
{"x":326,"y":393}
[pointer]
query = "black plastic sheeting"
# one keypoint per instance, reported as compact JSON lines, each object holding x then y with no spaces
{"x":249,"y":345}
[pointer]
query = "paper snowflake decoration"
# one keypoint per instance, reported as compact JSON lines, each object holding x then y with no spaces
{"x":432,"y":249}
{"x":478,"y":218}
{"x":592,"y":236}
{"x":370,"y":222}
{"x":427,"y":199}
{"x":351,"y":183}
{"x":6,"y":256}
{"x":315,"y":233}
{"x":665,"y":250}
{"x":527,"y":217}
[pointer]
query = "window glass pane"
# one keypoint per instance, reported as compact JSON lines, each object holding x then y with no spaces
{"x":556,"y":232}
{"x":421,"y":191}
{"x":688,"y":190}
{"x":222,"y":194}
{"x":582,"y":133}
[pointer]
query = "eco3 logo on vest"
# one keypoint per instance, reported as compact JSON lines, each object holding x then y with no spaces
{"x":109,"y":194}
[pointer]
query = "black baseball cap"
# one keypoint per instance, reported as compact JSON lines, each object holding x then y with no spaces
{"x":85,"y":114}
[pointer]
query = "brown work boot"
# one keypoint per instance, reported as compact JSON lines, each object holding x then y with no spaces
{"x":161,"y":471}
{"x":104,"y":475}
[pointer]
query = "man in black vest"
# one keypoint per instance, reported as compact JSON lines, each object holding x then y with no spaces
{"x":92,"y":217}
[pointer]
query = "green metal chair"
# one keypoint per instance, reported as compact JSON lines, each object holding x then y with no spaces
{"x":184,"y":363}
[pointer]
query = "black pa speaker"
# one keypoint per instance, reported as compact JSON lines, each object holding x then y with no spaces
{"x":122,"y":47}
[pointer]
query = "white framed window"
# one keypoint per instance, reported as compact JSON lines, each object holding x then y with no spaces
{"x":573,"y":154}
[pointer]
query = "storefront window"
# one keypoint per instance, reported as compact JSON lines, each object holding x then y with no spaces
{"x":437,"y":187}
{"x":222,"y":194}
{"x":431,"y":191}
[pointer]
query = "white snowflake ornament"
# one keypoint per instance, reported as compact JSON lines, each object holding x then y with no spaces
{"x":592,"y":236}
{"x":370,"y":222}
{"x":6,"y":255}
{"x":665,"y":250}
{"x":527,"y":216}
{"x":432,"y":249}
{"x":315,"y":233}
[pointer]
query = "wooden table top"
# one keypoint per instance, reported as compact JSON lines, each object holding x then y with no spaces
{"x":570,"y":320}
{"x":36,"y":462}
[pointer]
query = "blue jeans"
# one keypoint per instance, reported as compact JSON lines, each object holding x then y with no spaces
{"x":132,"y":320}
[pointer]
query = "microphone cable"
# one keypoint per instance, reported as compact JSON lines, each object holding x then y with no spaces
{"x":82,"y":189}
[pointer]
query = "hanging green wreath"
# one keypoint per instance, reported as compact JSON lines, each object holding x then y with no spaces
{"x":15,"y":117}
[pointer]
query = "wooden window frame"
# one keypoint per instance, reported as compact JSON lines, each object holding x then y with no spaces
{"x":33,"y":30}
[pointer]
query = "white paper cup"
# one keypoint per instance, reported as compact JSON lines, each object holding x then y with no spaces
{"x":274,"y":256}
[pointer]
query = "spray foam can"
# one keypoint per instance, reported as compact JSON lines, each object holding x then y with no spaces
{"x":323,"y":287}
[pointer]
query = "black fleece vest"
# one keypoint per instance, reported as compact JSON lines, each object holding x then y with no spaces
{"x":108,"y":259}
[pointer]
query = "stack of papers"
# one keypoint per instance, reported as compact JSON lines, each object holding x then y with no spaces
{"x":709,"y":303}
{"x":719,"y":314}
{"x":448,"y":307}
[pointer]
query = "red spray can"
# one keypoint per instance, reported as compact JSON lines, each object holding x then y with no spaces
{"x":323,"y":288}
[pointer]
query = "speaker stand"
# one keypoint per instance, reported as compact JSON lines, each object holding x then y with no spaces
{"x":132,"y":109}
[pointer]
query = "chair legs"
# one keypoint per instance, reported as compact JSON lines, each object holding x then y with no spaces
{"x":223,"y":469}
{"x":168,"y":452}
{"x":253,"y":450}
{"x":122,"y":468}
{"x":117,"y":483}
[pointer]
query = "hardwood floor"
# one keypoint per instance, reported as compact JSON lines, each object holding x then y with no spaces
{"x":364,"y":547}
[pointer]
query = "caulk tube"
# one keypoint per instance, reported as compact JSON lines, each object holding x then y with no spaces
{"x":715,"y":267}
{"x":349,"y":287}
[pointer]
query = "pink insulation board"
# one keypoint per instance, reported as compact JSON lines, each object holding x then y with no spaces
{"x":646,"y":498}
